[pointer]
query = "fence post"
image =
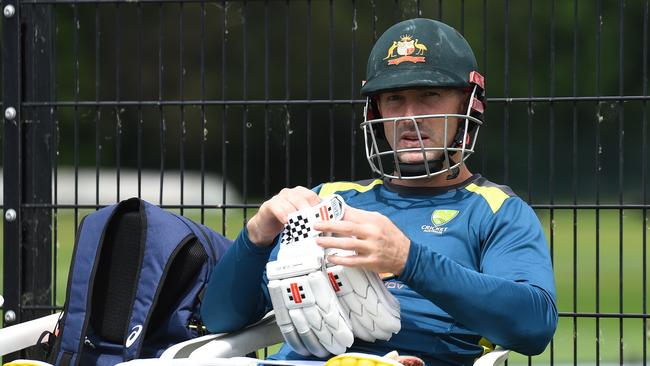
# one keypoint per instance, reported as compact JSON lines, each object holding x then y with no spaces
{"x":37,"y":133}
{"x":11,"y":59}
{"x":27,"y":59}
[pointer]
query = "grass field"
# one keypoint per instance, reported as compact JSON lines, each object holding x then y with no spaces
{"x":587,"y":269}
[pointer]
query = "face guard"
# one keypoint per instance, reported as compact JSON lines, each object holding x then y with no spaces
{"x":421,"y":53}
{"x":385,"y":160}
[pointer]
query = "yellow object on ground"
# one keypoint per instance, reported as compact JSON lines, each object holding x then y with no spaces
{"x":360,"y":359}
{"x":27,"y":363}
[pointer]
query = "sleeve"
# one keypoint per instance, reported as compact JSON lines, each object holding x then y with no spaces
{"x":236,"y":294}
{"x":511,"y":300}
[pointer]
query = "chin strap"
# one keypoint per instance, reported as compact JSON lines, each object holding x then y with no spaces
{"x":419,"y":169}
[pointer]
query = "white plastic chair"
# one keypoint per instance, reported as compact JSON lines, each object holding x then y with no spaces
{"x":23,"y":335}
{"x":259,"y":335}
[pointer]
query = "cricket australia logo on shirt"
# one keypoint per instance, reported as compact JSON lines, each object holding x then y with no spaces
{"x":439,"y":218}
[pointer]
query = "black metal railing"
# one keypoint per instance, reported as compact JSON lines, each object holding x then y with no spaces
{"x":210,"y":107}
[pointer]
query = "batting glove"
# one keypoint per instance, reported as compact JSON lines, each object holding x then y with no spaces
{"x":307,"y":310}
{"x":373,"y":311}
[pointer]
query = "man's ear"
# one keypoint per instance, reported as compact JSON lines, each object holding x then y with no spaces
{"x":377,"y":109}
{"x":466,"y":95}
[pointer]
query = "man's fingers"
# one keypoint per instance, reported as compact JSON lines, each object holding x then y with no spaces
{"x":311,"y":196}
{"x":290,"y":200}
{"x":356,"y":215}
{"x":341,"y":228}
{"x":280,"y":209}
{"x":298,"y":202}
{"x":349,"y":261}
{"x":273,"y":215}
{"x":301,"y":196}
{"x":342,"y":243}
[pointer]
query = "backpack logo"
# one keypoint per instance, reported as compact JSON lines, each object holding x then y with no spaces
{"x":135,"y":333}
{"x":405,"y":47}
{"x":439,"y":218}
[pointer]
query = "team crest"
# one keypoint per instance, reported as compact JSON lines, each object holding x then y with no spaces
{"x":406,"y":49}
{"x":441,"y":217}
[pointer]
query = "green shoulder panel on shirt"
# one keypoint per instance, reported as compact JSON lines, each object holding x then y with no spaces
{"x":494,"y":194}
{"x":331,"y":188}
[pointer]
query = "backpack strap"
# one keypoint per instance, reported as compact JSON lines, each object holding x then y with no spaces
{"x":84,"y":261}
{"x":164,"y":233}
{"x":119,"y":264}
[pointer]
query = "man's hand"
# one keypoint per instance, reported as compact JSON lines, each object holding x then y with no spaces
{"x":380,"y":245}
{"x":273,"y":214}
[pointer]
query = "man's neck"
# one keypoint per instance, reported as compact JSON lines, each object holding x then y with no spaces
{"x":439,"y":180}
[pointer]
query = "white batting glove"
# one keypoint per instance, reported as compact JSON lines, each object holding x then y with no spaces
{"x":307,"y":310}
{"x":310,"y":316}
{"x":373,"y":311}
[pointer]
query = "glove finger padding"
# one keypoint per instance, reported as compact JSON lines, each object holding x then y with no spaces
{"x":283,"y":319}
{"x":307,"y":335}
{"x":335,"y":319}
{"x":373,"y":311}
{"x":309,"y":315}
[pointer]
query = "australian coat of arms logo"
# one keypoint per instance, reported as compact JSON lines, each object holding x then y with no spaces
{"x":406,"y":49}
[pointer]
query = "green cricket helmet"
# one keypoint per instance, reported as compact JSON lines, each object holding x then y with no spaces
{"x":421,"y":53}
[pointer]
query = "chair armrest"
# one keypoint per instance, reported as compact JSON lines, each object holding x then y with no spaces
{"x":23,"y":335}
{"x":259,"y":335}
{"x":494,"y":358}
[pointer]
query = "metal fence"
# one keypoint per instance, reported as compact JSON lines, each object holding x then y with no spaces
{"x":209,"y":107}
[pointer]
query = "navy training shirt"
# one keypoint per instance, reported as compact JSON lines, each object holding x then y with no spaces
{"x":478,"y":267}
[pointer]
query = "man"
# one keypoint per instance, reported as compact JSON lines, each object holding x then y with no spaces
{"x":465,"y":258}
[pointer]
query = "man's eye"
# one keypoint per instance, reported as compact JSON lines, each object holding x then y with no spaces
{"x":431,"y":93}
{"x":393,"y":98}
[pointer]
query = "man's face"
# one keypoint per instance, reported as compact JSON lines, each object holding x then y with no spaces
{"x":417,"y":102}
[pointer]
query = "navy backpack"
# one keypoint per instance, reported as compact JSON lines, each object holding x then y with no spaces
{"x":135,"y":283}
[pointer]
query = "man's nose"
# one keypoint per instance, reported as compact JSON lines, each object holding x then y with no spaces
{"x":411,"y":109}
